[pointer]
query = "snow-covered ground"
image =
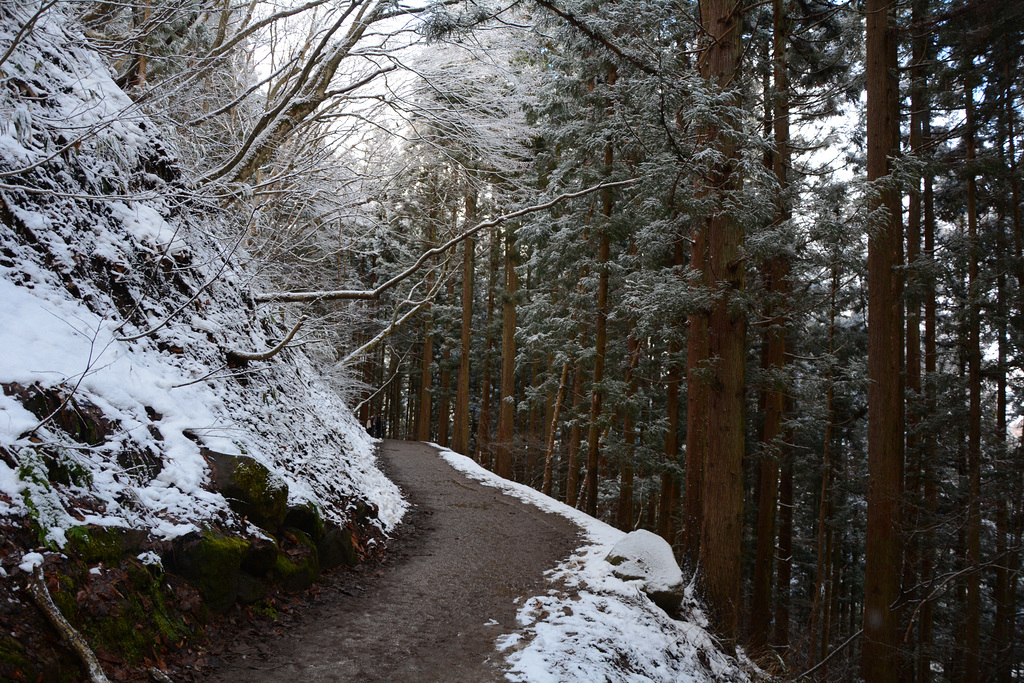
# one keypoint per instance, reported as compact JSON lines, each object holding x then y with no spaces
{"x":593,"y":626}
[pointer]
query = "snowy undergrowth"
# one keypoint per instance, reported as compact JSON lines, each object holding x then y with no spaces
{"x":593,"y":626}
{"x":121,"y":299}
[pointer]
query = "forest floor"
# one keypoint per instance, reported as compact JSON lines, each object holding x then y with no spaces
{"x":432,"y":608}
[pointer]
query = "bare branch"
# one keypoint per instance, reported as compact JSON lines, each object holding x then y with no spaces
{"x":348,"y":294}
{"x":264,"y":355}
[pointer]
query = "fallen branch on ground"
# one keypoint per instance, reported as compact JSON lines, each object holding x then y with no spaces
{"x":41,"y":596}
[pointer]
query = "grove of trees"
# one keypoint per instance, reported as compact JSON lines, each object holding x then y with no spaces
{"x":775,"y":314}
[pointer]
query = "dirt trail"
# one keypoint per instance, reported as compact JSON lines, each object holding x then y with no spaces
{"x":463,"y":555}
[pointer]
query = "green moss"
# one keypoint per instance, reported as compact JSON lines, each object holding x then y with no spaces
{"x":299,"y":571}
{"x":12,"y":657}
{"x":219,"y":558}
{"x":294,"y":575}
{"x":98,"y":544}
{"x":135,"y":627}
{"x":306,"y":518}
{"x":45,"y":507}
{"x":265,"y":494}
{"x":266,"y":608}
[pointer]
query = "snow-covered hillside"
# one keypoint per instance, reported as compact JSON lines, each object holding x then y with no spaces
{"x":121,"y":302}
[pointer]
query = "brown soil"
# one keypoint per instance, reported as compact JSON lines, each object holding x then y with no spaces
{"x":463,"y":556}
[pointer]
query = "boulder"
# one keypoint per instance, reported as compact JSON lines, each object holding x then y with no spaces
{"x":213,"y":561}
{"x":306,"y":518}
{"x":648,"y":558}
{"x":261,"y":557}
{"x":252,"y":490}
{"x":297,"y":566}
{"x":336,"y":548}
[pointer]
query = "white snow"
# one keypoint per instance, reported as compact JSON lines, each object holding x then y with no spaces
{"x":30,"y":561}
{"x":594,"y":626}
{"x":648,"y":557}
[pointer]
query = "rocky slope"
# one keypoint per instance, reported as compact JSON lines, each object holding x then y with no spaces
{"x":155,"y":476}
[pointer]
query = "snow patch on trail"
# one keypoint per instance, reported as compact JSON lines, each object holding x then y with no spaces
{"x":593,"y":626}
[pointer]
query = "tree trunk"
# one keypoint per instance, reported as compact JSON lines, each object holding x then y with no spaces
{"x":697,"y":389}
{"x":821,"y":602}
{"x":624,"y":514}
{"x":600,"y":337}
{"x":572,"y":478}
{"x":915,"y":453}
{"x":506,"y":410}
{"x":774,"y":353}
{"x":444,"y":403}
{"x":883,"y":548}
{"x":460,"y":434}
{"x":929,"y":445}
{"x":1007,"y":545}
{"x":423,"y":419}
{"x":483,"y":439}
{"x":722,"y":527}
{"x":972,"y":661}
{"x":784,"y":572}
{"x":549,"y":455}
{"x":669,"y":477}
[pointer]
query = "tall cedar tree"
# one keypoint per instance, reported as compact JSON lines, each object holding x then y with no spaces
{"x":880,"y":655}
{"x":722,"y":525}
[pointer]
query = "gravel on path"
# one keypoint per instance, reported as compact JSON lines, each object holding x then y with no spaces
{"x":460,"y":560}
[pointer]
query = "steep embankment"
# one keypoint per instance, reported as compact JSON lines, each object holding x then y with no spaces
{"x":138,"y":453}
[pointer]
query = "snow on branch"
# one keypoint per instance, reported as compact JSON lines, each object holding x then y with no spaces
{"x":353,"y":294}
{"x":265,"y":355}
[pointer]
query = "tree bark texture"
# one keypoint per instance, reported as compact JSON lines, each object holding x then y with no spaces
{"x":549,"y":454}
{"x":880,"y":661}
{"x":483,"y":439}
{"x":460,"y":433}
{"x":972,"y":661}
{"x":697,"y":389}
{"x":506,"y":409}
{"x":572,"y":478}
{"x":423,"y":421}
{"x":774,"y":350}
{"x":722,"y":528}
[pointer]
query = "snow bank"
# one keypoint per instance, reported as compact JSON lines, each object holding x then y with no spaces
{"x":594,"y":626}
{"x":118,"y":300}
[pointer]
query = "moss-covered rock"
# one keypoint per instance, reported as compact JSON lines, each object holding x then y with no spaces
{"x":128,"y":612}
{"x":252,"y":490}
{"x":261,"y":558}
{"x":306,"y":518}
{"x":298,"y":564}
{"x":12,"y":659}
{"x":212,"y":561}
{"x":250,"y":589}
{"x":295,"y":574}
{"x":109,"y":545}
{"x":336,"y":547}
